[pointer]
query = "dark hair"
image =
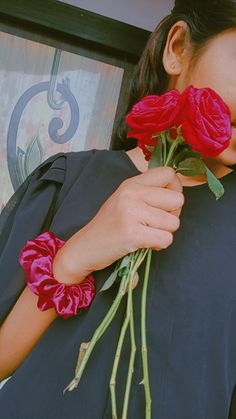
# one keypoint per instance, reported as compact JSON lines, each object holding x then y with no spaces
{"x":205,"y":19}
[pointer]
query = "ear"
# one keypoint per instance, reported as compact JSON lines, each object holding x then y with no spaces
{"x":177,"y":48}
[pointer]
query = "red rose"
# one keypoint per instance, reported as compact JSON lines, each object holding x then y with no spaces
{"x":173,"y":133}
{"x":142,"y":145}
{"x":153,"y":114}
{"x":206,"y":121}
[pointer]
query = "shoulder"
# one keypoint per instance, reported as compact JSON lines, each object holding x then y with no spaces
{"x":61,"y":165}
{"x":66,"y":167}
{"x":93,"y":159}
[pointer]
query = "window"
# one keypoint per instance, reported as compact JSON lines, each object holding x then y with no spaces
{"x":63,"y":78}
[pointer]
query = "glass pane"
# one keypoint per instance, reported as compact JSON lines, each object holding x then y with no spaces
{"x":52,"y":101}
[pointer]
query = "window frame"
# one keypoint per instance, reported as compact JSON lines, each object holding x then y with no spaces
{"x":89,"y":34}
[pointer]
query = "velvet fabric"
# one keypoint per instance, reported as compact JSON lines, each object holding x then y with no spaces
{"x":36,"y":258}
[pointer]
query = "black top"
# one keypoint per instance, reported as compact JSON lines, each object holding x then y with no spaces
{"x":191,"y":313}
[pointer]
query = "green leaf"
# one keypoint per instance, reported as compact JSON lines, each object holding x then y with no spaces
{"x":82,"y":351}
{"x":191,"y":166}
{"x":185,"y":153}
{"x":214,"y":184}
{"x":123,"y":271}
{"x":75,"y":382}
{"x":110,"y":281}
{"x":124,"y":263}
{"x":156,"y":157}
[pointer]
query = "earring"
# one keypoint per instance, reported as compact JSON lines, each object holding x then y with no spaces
{"x":172,"y":66}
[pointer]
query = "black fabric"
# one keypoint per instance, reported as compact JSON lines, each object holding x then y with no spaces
{"x":191,"y":313}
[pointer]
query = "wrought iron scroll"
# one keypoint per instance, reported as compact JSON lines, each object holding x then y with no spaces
{"x":18,"y":160}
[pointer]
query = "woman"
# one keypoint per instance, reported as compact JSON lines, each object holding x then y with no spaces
{"x":105,"y":204}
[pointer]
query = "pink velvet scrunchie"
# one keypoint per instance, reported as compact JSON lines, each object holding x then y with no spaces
{"x":36,"y":259}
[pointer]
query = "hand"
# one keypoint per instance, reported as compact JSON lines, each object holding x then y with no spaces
{"x":143,"y":212}
{"x":135,"y":283}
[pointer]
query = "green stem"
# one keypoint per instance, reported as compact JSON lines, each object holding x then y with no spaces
{"x":163,"y":138}
{"x":132,"y":353}
{"x":173,"y":147}
{"x":136,"y":259}
{"x":143,"y":334}
{"x":118,"y":354}
{"x":115,"y":366}
{"x":141,"y":257}
{"x":98,"y":333}
{"x":141,"y":254}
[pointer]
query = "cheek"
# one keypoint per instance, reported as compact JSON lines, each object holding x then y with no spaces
{"x":221,"y":81}
{"x":228,"y":156}
{"x":205,"y":77}
{"x":233,"y":139}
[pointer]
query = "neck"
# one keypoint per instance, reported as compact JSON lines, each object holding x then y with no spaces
{"x":218,"y":168}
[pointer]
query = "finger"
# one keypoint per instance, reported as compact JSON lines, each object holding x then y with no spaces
{"x":135,"y":282}
{"x":163,"y":198}
{"x":149,"y":237}
{"x":160,"y":176}
{"x":176,"y":212}
{"x":159,"y":219}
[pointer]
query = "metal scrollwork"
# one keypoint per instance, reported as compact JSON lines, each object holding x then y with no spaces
{"x":20,"y":162}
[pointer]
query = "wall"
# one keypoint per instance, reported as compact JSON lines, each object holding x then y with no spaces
{"x":141,"y":13}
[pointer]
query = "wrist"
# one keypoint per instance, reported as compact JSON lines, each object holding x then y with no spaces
{"x":64,"y":271}
{"x":36,"y":258}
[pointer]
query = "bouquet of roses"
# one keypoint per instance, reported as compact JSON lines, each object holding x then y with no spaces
{"x":176,"y":130}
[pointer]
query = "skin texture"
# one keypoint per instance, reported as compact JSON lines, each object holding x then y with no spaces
{"x":145,"y":210}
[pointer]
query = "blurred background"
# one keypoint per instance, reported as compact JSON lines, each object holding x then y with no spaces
{"x":141,"y":13}
{"x":65,"y":67}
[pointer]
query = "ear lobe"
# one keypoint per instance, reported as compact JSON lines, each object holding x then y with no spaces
{"x":175,"y":48}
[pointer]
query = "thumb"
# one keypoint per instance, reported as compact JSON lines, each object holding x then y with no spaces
{"x":135,"y":282}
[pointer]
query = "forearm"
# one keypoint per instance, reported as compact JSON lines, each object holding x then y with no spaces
{"x":21,"y":330}
{"x":26,"y":323}
{"x":71,"y":263}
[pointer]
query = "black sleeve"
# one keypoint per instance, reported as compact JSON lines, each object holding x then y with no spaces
{"x":28,"y":213}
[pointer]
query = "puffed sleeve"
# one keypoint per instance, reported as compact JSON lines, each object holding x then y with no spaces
{"x":29,"y":212}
